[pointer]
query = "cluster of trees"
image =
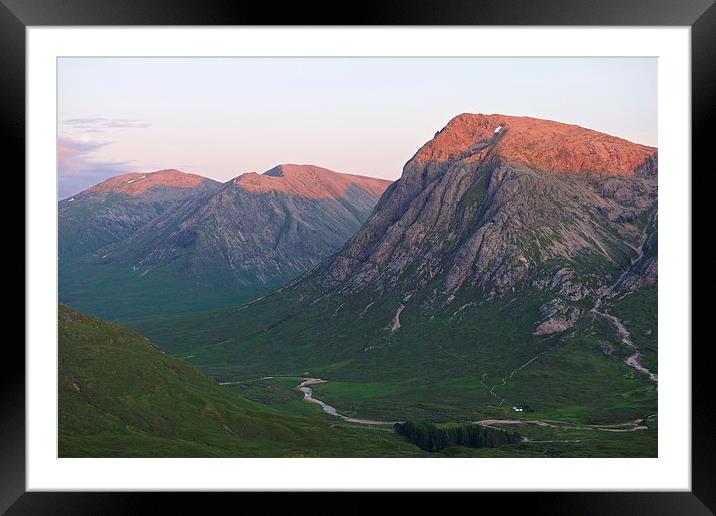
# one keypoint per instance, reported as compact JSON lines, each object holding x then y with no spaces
{"x":431,"y":437}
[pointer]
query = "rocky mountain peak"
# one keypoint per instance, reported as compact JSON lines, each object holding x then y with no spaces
{"x":309,"y":181}
{"x":137,"y":183}
{"x":495,"y":203}
{"x":539,"y":144}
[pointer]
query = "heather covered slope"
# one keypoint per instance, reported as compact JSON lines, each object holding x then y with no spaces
{"x":494,"y":273}
{"x":120,"y":396}
{"x":224,"y":246}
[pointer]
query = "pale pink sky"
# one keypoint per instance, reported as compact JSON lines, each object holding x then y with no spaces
{"x":221,"y":117}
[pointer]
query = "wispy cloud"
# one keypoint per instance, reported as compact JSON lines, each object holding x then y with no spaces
{"x":79,"y":168}
{"x":98,"y":124}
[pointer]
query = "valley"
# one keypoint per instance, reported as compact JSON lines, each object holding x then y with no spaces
{"x":508,"y":279}
{"x":120,"y":396}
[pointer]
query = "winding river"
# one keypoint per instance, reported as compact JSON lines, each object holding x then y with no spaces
{"x":629,"y":426}
{"x":633,"y":360}
{"x":328,"y":409}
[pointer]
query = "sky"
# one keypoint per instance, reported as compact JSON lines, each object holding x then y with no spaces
{"x":221,"y":117}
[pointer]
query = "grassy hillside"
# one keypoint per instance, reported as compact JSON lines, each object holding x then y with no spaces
{"x":439,"y":366}
{"x":120,"y":396}
{"x":118,"y":293}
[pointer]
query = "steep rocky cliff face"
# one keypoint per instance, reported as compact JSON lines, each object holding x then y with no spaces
{"x":496,"y":203}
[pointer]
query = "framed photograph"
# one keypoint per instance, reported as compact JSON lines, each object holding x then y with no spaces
{"x":421,"y":252}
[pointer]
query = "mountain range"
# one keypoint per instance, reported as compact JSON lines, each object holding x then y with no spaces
{"x":167,"y":241}
{"x":513,"y":263}
{"x":513,"y":266}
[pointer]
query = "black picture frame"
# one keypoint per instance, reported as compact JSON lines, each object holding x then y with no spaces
{"x":17,"y":15}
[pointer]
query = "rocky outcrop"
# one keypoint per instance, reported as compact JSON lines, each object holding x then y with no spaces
{"x":558,"y":317}
{"x":643,"y":273}
{"x":564,"y":282}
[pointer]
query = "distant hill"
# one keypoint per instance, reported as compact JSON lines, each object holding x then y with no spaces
{"x":113,"y":209}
